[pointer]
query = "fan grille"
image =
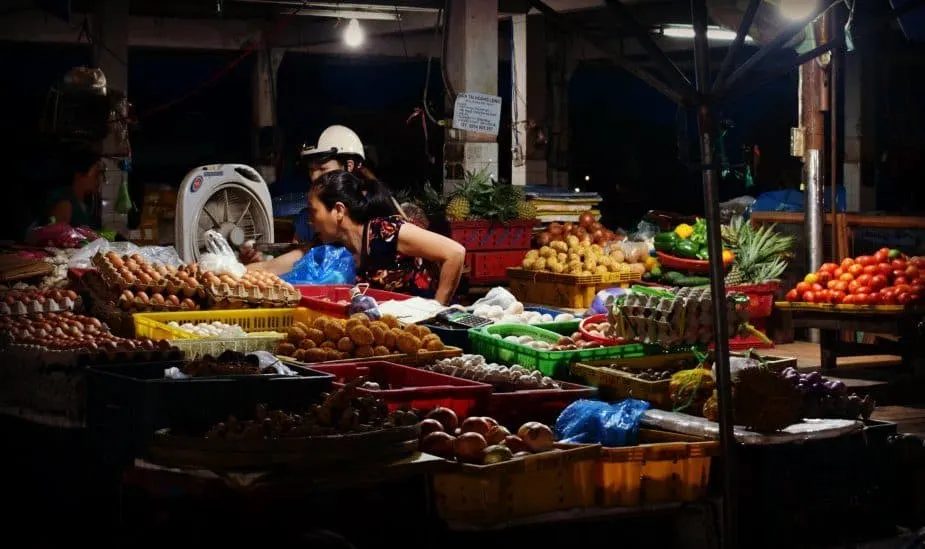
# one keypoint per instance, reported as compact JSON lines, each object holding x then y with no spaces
{"x":234,"y":212}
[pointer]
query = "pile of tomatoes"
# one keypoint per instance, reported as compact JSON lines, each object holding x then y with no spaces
{"x":884,"y":278}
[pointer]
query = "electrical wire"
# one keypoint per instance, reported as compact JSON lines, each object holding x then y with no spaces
{"x":446,"y":34}
{"x":401,"y":31}
{"x":430,"y":61}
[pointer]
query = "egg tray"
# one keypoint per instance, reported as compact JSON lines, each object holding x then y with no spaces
{"x":686,"y":319}
{"x":169,"y":285}
{"x":78,"y":358}
{"x":49,"y":306}
{"x":227,"y":296}
{"x":140,"y":306}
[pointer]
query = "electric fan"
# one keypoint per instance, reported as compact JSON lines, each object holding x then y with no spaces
{"x":231,"y":199}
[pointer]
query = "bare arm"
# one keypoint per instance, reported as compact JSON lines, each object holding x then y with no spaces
{"x":61,"y":211}
{"x":279,"y":265}
{"x":414,"y":241}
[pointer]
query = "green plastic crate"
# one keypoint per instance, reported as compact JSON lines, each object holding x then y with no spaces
{"x":554,"y":364}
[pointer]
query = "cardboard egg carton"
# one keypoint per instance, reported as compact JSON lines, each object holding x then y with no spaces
{"x":230,"y":296}
{"x":49,"y":305}
{"x":183,"y":286}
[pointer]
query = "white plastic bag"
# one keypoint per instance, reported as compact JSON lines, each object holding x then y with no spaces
{"x":220,"y":258}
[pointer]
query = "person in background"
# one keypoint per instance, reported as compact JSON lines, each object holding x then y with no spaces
{"x":389,"y":252}
{"x":67,"y":203}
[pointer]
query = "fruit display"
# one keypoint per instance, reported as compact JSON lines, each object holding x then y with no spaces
{"x":762,"y":401}
{"x":515,"y":314}
{"x":502,"y":378}
{"x":480,"y":198}
{"x":760,"y":254}
{"x":689,"y":390}
{"x":587,"y":231}
{"x":327,"y":339}
{"x":339,"y":412}
{"x":481,"y":440}
{"x":688,"y":242}
{"x":19,"y":302}
{"x":828,"y":398}
{"x":573,"y":342}
{"x":885,"y":278}
{"x":68,"y":331}
{"x":570,"y":256}
{"x":670,"y":319}
{"x":648,"y":374}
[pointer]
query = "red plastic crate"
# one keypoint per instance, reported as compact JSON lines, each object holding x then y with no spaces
{"x":492,"y":266}
{"x":413,"y":387}
{"x":744,"y":343}
{"x":543,"y":405}
{"x":485,"y":235}
{"x":323,"y":299}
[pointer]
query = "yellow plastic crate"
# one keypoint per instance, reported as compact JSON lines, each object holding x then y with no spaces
{"x":485,"y":495}
{"x":663,"y":468}
{"x":154,"y":325}
{"x":563,"y":290}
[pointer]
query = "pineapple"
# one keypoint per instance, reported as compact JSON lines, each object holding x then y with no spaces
{"x":458,"y":208}
{"x":759,"y":252}
{"x":526,"y":210}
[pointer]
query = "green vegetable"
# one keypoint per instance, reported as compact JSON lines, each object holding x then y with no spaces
{"x":692,"y":281}
{"x":703,"y":253}
{"x":686,"y":248}
{"x":700,"y":232}
{"x":655,"y":273}
{"x":671,"y":276}
{"x":666,"y":242}
{"x":646,"y":290}
{"x":895,"y":254}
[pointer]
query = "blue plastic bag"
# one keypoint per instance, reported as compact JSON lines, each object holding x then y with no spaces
{"x":323,"y":265}
{"x":596,"y":422}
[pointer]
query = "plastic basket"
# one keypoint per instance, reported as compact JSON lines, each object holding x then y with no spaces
{"x":486,"y":235}
{"x":485,"y":495}
{"x":459,"y":337}
{"x":563,"y":290}
{"x":324,"y":299}
{"x":760,"y":297}
{"x":664,"y":467}
{"x":421,"y":358}
{"x":416,"y":388}
{"x":544,"y":405}
{"x":491,"y":266}
{"x":615,"y":384}
{"x":127,"y":403}
{"x":551,"y":363}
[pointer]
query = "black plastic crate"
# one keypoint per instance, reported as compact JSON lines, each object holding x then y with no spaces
{"x":127,"y":403}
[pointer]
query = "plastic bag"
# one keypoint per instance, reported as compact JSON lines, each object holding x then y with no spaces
{"x":220,"y":258}
{"x":596,"y":422}
{"x":362,"y":303}
{"x":498,"y":297}
{"x":602,"y":301}
{"x":323,"y":265}
{"x":155,"y":255}
{"x":60,"y":235}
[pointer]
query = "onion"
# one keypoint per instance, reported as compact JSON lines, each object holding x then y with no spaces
{"x":554,"y":229}
{"x":469,"y":447}
{"x":543,"y":239}
{"x":597,"y":235}
{"x":497,"y":434}
{"x":446,"y":417}
{"x":596,"y":226}
{"x":496,"y":454}
{"x":537,"y":436}
{"x":439,"y":444}
{"x":608,"y":235}
{"x":567,"y":228}
{"x":586,"y":219}
{"x":429,"y":426}
{"x":516,"y":444}
{"x":475,"y":425}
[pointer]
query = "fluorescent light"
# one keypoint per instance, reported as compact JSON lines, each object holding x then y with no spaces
{"x":713,"y":33}
{"x":353,"y":34}
{"x":352,"y":14}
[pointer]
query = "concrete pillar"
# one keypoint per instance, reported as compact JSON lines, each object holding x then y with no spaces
{"x":110,"y":53}
{"x":264,"y":94}
{"x":472,"y":66}
{"x":529,"y":99}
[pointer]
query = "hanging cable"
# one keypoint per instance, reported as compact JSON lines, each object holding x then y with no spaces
{"x":430,"y":61}
{"x":448,"y":86}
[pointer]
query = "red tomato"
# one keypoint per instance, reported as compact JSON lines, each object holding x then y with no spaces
{"x":899,"y":288}
{"x":792,"y":295}
{"x":803,"y":287}
{"x":823,"y":277}
{"x":856,"y":269}
{"x":847,"y":277}
{"x":849,"y":300}
{"x":882,"y":256}
{"x":918,"y":283}
{"x":871,"y":270}
{"x":862,"y":290}
{"x":865,"y":260}
{"x":840,"y":285}
{"x":809,"y":297}
{"x":899,"y":273}
{"x":847,"y":262}
{"x":832,"y":283}
{"x":860,"y":299}
{"x":864,"y":280}
{"x":817,"y":287}
{"x":903,"y":298}
{"x":917,"y":261}
{"x":915,"y":297}
{"x":878,"y":282}
{"x":885,"y":269}
{"x":898,"y":265}
{"x":873,"y":298}
{"x":853,"y":286}
{"x":828,"y":268}
{"x":887,"y":298}
{"x":838,"y":272}
{"x":837,"y":297}
{"x":900,"y":280}
{"x":912,"y":271}
{"x":885,"y":251}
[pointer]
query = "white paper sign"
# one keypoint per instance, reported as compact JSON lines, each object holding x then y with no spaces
{"x":477,"y":112}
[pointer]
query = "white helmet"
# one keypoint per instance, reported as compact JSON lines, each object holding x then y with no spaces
{"x":336,"y":141}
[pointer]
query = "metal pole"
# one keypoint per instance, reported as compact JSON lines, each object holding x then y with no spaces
{"x":744,"y":26}
{"x":728,"y":539}
{"x":811,"y":82}
{"x":835,"y":157}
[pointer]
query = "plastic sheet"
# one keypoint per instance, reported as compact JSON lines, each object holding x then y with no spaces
{"x":603,"y":301}
{"x":323,"y":265}
{"x":596,"y":422}
{"x":60,"y":235}
{"x":269,"y":365}
{"x":810,"y":429}
{"x":156,"y":255}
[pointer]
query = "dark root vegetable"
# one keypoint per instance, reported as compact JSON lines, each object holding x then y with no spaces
{"x":586,"y":220}
{"x":543,"y":239}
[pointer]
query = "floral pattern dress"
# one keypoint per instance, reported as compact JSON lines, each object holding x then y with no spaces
{"x":382,"y":267}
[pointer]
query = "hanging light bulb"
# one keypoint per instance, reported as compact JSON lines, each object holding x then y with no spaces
{"x":796,"y":10}
{"x":353,"y":34}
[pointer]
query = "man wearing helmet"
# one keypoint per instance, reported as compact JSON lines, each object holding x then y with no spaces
{"x":338,"y":148}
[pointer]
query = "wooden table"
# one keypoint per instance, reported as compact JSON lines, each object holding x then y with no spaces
{"x":907,"y":324}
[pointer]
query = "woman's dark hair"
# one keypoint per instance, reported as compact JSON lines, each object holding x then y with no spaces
{"x":364,"y":199}
{"x":77,"y":159}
